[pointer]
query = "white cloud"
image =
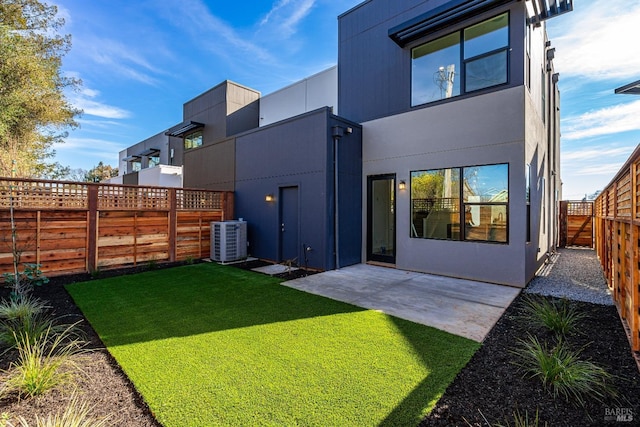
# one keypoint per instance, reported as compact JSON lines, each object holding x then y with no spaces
{"x":605,"y":121}
{"x":606,"y":169}
{"x":119,"y":59}
{"x":212,"y":32}
{"x":599,"y":40}
{"x":287,"y":14}
{"x":594,"y":154}
{"x":85,"y":100}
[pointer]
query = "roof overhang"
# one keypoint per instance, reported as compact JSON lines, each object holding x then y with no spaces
{"x":184,"y":128}
{"x":149,"y":151}
{"x":541,"y":10}
{"x":457,"y":11}
{"x":631,"y":88}
{"x":131,"y":158}
{"x":441,"y":17}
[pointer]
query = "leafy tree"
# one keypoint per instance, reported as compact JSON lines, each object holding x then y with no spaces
{"x":34,"y":111}
{"x":427,"y":185}
{"x":100,"y":173}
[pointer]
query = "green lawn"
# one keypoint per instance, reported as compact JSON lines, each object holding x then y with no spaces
{"x":210,"y":345}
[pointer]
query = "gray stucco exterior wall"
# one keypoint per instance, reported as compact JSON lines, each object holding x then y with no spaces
{"x":211,"y":166}
{"x":492,"y":132}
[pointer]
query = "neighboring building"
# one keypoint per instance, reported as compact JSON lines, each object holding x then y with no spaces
{"x":224,"y":110}
{"x":444,"y":159}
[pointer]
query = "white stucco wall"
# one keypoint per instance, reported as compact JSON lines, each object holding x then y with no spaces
{"x":161,"y":176}
{"x":311,"y":93}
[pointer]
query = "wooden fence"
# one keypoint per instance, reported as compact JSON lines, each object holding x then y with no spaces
{"x":617,"y":242}
{"x":71,"y":227}
{"x":576,"y":224}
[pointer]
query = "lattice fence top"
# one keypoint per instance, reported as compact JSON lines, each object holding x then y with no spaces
{"x":199,"y":199}
{"x":112,"y":197}
{"x":580,"y":208}
{"x":40,"y":194}
{"x":43,"y":194}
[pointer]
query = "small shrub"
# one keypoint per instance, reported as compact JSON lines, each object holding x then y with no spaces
{"x":558,"y":317}
{"x":562,"y":371}
{"x":45,"y":363}
{"x":76,"y":414}
{"x":96,"y":273}
{"x":23,"y":283}
{"x":189,"y":260}
{"x":152,"y":264}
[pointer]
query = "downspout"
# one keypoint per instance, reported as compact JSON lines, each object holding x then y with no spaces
{"x":555,"y":146}
{"x":336,"y":132}
{"x":550,"y":121}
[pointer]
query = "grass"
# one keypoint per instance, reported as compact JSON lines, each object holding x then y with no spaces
{"x":561,"y":370}
{"x":213,"y":345}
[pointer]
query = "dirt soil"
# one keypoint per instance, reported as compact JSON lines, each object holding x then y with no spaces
{"x":485,"y":393}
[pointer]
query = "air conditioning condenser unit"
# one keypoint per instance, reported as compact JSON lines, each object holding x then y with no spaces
{"x":228,"y":241}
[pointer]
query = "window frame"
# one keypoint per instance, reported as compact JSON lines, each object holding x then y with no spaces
{"x":462,"y":206}
{"x":189,"y":136}
{"x":463,"y":62}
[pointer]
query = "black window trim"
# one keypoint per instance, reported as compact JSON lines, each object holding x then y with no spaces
{"x":462,"y":203}
{"x":463,"y":61}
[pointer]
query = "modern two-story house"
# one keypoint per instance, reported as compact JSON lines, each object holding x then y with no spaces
{"x":444,"y":157}
{"x":459,"y":107}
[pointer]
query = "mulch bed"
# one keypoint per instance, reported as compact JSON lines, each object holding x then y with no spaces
{"x":490,"y":388}
{"x":485,"y":393}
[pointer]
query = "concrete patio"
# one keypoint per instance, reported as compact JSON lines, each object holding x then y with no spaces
{"x":461,"y":307}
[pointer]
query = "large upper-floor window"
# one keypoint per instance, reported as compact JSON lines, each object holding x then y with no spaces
{"x":468,"y":203}
{"x":471,"y":59}
{"x":193,"y":140}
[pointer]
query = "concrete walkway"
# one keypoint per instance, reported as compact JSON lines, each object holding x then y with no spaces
{"x":461,"y":307}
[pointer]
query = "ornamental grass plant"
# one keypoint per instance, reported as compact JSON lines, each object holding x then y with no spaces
{"x":43,"y":363}
{"x":562,"y":372}
{"x":75,"y":414}
{"x":24,"y":318}
{"x":559,"y":317}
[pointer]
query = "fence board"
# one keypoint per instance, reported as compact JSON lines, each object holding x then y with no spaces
{"x":77,"y":227}
{"x":617,"y":241}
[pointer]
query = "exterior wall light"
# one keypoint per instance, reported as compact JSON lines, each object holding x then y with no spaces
{"x":269,"y":198}
{"x":402,"y":185}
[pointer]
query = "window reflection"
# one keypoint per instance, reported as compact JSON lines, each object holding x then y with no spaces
{"x":435,"y":198}
{"x":435,"y":68}
{"x":437,"y":211}
{"x":480,"y":53}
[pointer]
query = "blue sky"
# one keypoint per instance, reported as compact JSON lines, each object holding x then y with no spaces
{"x":141,"y":60}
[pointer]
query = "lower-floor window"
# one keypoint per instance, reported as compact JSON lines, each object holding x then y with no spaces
{"x":463,"y":203}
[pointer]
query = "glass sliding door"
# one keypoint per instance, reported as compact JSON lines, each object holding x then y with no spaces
{"x":381,"y":218}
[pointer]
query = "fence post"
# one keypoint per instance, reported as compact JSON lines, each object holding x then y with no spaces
{"x":92,"y":239}
{"x":563,"y":224}
{"x":173,"y":223}
{"x":227,"y":206}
